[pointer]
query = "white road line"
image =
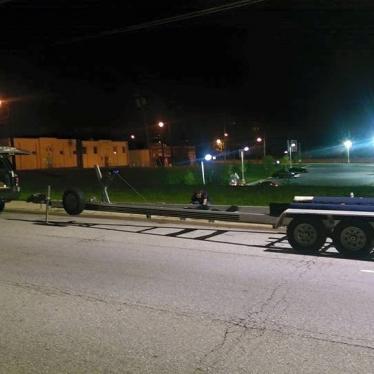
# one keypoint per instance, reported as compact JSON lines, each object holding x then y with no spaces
{"x":367,"y":271}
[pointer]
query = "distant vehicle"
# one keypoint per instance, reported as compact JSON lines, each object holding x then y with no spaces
{"x":298,"y":169}
{"x":268,"y":183}
{"x":282,"y":174}
{"x":9,"y":181}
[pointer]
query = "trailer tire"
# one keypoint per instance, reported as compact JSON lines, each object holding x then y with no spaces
{"x":73,"y":201}
{"x":2,"y":205}
{"x":353,"y":238}
{"x":306,"y":234}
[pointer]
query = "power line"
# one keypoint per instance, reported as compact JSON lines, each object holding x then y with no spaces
{"x":164,"y":21}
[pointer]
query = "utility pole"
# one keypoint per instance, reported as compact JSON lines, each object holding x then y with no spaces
{"x":141,"y":103}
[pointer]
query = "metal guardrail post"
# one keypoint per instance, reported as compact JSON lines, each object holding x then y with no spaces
{"x":47,"y":203}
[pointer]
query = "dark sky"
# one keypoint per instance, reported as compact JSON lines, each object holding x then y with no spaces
{"x":297,"y":69}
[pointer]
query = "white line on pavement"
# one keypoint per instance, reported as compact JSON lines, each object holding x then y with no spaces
{"x":367,"y":271}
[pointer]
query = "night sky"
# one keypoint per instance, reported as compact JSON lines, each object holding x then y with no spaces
{"x":288,"y":69}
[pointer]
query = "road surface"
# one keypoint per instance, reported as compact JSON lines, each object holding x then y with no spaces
{"x":336,"y":175}
{"x":114,"y":296}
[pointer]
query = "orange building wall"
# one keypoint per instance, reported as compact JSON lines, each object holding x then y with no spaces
{"x":105,"y":153}
{"x":46,"y":153}
{"x":139,"y":158}
{"x":31,"y":161}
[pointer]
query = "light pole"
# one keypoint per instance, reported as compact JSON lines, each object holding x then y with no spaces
{"x":348,"y":145}
{"x":241,"y":151}
{"x":226,"y":140}
{"x":291,"y":145}
{"x":168,"y":126}
{"x":161,"y":126}
{"x":141,"y":103}
{"x":207,"y":157}
{"x":263,"y":141}
{"x":220,"y":145}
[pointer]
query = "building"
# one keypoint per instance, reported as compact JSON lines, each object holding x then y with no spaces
{"x":139,"y":158}
{"x":68,"y":153}
{"x":175,"y":155}
{"x":63,"y":153}
{"x":46,"y":153}
{"x":105,"y":153}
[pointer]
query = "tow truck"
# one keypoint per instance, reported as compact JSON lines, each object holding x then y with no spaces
{"x":9,"y":181}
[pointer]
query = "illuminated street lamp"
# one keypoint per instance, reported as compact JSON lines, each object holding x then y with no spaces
{"x":348,"y":145}
{"x":241,"y":151}
{"x":132,"y":136}
{"x":207,"y":157}
{"x":291,"y":147}
{"x":263,"y":141}
{"x":220,"y":144}
{"x":161,"y":125}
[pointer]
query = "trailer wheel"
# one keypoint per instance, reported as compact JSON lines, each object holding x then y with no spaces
{"x":2,"y":205}
{"x":353,"y":238}
{"x":306,"y":234}
{"x":73,"y":202}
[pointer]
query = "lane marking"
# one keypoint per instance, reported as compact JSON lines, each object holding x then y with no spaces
{"x":367,"y":271}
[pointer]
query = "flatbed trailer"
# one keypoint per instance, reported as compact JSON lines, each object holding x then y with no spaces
{"x":74,"y":202}
{"x":348,"y":221}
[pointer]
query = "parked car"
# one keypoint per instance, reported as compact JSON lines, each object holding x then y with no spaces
{"x":284,"y":174}
{"x":298,"y":169}
{"x":9,"y":181}
{"x":268,"y":183}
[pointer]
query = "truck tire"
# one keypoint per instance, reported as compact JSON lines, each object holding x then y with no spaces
{"x":306,"y":234}
{"x":73,"y":201}
{"x":353,"y":238}
{"x":2,"y":205}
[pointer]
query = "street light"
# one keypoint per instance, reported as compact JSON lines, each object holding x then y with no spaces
{"x":161,"y":125}
{"x":132,"y":136}
{"x":291,"y":147}
{"x":207,"y":157}
{"x":241,"y":151}
{"x":263,"y":141}
{"x":348,"y":145}
{"x":220,"y":145}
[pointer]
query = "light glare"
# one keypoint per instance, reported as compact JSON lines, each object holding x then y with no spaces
{"x":348,"y":144}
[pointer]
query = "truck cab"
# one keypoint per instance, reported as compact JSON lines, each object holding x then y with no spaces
{"x":9,"y":181}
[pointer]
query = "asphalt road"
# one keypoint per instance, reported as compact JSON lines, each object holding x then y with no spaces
{"x":335,"y":175}
{"x":113,"y":296}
